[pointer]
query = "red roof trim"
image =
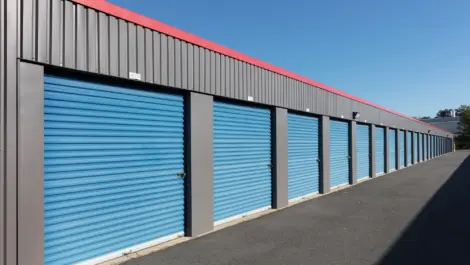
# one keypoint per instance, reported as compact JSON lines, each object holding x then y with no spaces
{"x":117,"y":11}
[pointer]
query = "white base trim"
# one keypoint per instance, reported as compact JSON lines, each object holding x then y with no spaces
{"x":128,"y":250}
{"x":339,"y":186}
{"x":229,"y":219}
{"x":379,"y":174}
{"x":306,"y":196}
{"x":402,"y":167}
{"x":392,"y":170}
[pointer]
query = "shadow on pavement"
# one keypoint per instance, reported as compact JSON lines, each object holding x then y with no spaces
{"x":440,"y":234}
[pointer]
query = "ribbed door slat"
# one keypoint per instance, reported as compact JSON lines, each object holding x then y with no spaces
{"x":362,"y":151}
{"x":339,"y":153}
{"x":415,"y":148}
{"x":402,"y":149}
{"x":392,"y":148}
{"x":408,"y":148}
{"x":242,"y":155}
{"x":303,"y":155}
{"x":111,"y":159}
{"x":379,"y":150}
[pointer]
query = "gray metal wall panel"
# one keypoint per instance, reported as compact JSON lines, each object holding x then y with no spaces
{"x":28,"y":45}
{"x":114,"y":47}
{"x":212,"y":75}
{"x":171,"y":62}
{"x":164,"y":53}
{"x":69,"y":34}
{"x":148,"y":56}
{"x":217,"y":75}
{"x":190,"y":67}
{"x":104,"y":48}
{"x":56,"y":32}
{"x":178,"y":69}
{"x":141,"y":41}
{"x":80,"y":38}
{"x":157,"y":67}
{"x":123,"y":50}
{"x":201,"y":68}
{"x":92,"y":39}
{"x":43,"y":30}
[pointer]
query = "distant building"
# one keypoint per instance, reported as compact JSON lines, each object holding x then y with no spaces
{"x":449,"y":123}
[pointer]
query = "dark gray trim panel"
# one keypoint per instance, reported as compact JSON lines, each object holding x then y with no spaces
{"x":280,"y":174}
{"x":30,"y":164}
{"x":9,"y":53}
{"x":372,"y":152}
{"x":199,"y":162}
{"x":397,"y":150}
{"x":352,"y":153}
{"x":387,"y":148}
{"x":324,"y":154}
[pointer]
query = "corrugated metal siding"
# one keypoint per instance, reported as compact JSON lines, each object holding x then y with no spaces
{"x":303,"y":155}
{"x":363,"y":151}
{"x":339,"y":153}
{"x":76,"y":37}
{"x":111,"y":161}
{"x":402,"y":149}
{"x":379,"y":150}
{"x":408,"y":148}
{"x":242,"y":159}
{"x":392,"y":149}
{"x":415,"y":147}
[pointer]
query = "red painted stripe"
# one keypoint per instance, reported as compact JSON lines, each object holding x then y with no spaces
{"x":141,"y":20}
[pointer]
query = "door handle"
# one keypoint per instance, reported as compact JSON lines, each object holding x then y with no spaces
{"x":270,"y":165}
{"x":181,"y":174}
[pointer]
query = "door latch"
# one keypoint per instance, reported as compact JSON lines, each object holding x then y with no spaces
{"x":181,"y":174}
{"x":270,"y":165}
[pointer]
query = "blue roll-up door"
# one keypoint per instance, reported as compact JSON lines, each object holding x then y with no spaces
{"x":402,"y":149}
{"x":392,"y":139}
{"x":303,"y":155}
{"x":434,"y":148}
{"x":339,"y":153}
{"x":362,"y":151}
{"x":113,"y":158}
{"x":408,"y":148}
{"x":422,"y":147}
{"x":242,"y":160}
{"x":415,"y":148}
{"x":379,"y":150}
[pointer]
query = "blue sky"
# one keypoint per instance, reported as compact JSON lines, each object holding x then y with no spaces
{"x":410,"y":56}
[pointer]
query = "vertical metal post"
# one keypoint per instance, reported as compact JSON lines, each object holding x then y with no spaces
{"x":352,"y":153}
{"x":325,"y":155}
{"x":280,"y":183}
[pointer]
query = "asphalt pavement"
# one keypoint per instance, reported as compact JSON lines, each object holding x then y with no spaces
{"x":418,"y":215}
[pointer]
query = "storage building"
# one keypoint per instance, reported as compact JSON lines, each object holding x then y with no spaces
{"x":120,"y":132}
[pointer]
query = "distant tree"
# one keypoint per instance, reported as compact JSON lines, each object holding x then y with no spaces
{"x":444,"y":113}
{"x":426,"y":118}
{"x":464,"y":123}
{"x":461,"y":109}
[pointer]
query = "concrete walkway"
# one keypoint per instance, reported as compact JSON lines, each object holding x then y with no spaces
{"x":419,"y":215}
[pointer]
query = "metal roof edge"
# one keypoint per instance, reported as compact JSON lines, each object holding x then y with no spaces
{"x":117,"y":11}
